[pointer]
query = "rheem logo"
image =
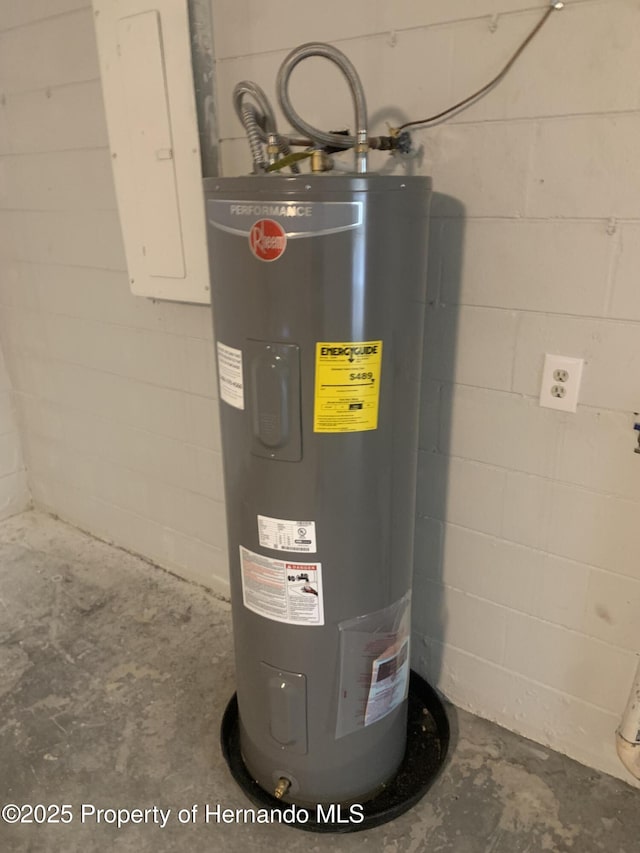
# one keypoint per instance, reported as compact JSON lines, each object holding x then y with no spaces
{"x":267,"y":240}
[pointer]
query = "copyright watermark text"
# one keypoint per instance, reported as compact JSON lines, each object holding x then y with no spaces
{"x":90,"y":814}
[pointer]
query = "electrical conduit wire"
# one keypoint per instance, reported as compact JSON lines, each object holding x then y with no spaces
{"x":359,"y":141}
{"x":249,"y":120}
{"x":438,"y":118}
{"x":258,"y":123}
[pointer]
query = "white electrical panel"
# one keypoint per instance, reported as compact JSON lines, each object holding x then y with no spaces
{"x":147,"y":81}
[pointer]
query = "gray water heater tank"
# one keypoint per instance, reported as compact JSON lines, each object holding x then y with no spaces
{"x":318,"y":290}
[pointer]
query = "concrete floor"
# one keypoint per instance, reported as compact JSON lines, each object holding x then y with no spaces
{"x":113,"y":679}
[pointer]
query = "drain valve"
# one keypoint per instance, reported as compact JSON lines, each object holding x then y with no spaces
{"x":281,"y":788}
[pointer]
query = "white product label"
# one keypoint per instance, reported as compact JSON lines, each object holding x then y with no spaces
{"x":389,"y":677}
{"x":281,"y":590}
{"x":282,"y":535}
{"x":230,"y":375}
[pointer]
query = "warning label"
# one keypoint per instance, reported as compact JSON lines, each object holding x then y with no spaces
{"x":282,"y":591}
{"x":230,"y":375}
{"x":279,"y":534}
{"x":347,"y":390}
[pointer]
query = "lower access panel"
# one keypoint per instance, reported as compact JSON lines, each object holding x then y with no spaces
{"x":287,"y":708}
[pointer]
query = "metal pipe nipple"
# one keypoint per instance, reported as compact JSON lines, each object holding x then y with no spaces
{"x":281,"y":788}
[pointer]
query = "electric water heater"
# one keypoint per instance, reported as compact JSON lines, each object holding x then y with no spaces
{"x":318,"y":288}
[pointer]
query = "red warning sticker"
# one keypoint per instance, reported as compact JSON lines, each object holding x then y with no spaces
{"x":267,"y":239}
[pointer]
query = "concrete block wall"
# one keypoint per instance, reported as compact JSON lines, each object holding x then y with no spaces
{"x":115,"y":395}
{"x":14,"y":492}
{"x":527,"y":577}
{"x":527,"y":585}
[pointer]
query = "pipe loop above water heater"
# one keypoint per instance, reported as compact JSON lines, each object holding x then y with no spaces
{"x":322,"y":138}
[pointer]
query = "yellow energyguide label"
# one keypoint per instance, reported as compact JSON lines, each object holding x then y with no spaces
{"x":347,"y":393}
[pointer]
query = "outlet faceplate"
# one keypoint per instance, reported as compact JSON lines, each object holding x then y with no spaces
{"x":561,"y":377}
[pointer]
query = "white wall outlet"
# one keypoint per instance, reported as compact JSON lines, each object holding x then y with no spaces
{"x":561,"y":382}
